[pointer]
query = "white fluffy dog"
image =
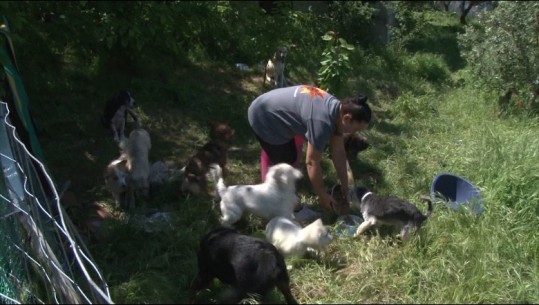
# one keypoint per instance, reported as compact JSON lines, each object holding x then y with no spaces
{"x":275,"y":197}
{"x":136,"y":150}
{"x":293,"y":240}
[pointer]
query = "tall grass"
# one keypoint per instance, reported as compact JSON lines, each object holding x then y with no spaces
{"x":429,"y":118}
{"x":458,"y":257}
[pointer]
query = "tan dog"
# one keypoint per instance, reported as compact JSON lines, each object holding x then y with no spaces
{"x":215,"y":151}
{"x":117,"y":180}
{"x":136,"y":151}
{"x":275,"y":68}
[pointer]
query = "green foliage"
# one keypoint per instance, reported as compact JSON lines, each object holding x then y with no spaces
{"x":335,"y":65}
{"x":410,"y":24}
{"x":502,"y":51}
{"x":353,"y":21}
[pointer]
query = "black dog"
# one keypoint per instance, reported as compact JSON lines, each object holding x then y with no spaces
{"x":353,"y":144}
{"x":389,"y":210}
{"x":251,"y":265}
{"x":116,"y":111}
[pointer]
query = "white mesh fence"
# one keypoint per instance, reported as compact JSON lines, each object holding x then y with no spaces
{"x":42,"y":257}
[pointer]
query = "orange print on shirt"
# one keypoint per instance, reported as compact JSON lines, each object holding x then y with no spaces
{"x":313,"y":91}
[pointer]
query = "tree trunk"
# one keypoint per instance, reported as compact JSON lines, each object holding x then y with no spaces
{"x":446,"y":5}
{"x":465,"y":10}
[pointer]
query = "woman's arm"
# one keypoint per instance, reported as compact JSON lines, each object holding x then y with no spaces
{"x":338,"y":156}
{"x":314,"y":171}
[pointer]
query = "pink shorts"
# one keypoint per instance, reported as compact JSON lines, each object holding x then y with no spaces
{"x":265,"y":162}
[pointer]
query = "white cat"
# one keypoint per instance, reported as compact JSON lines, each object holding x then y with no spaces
{"x":293,"y":240}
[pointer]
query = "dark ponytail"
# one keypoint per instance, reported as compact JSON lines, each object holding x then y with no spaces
{"x":361,"y":99}
{"x":357,"y":107}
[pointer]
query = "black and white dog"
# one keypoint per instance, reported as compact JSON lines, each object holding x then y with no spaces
{"x":116,"y":111}
{"x":389,"y":210}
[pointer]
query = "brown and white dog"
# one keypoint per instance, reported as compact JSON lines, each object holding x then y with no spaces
{"x":274,"y":71}
{"x":215,"y":151}
{"x":388,"y":210}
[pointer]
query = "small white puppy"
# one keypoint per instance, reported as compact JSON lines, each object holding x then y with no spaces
{"x":293,"y":240}
{"x":117,"y":179}
{"x":136,"y":150}
{"x":275,"y":197}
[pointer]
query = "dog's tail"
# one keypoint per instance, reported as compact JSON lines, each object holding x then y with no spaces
{"x":429,"y":202}
{"x":217,"y":174}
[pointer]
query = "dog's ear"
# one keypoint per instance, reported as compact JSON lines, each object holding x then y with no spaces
{"x":360,"y":191}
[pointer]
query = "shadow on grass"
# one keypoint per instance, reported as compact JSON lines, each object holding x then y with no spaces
{"x":175,"y":111}
{"x":390,"y":128}
{"x":441,"y":39}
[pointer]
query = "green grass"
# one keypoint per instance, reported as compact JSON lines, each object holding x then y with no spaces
{"x":425,"y":123}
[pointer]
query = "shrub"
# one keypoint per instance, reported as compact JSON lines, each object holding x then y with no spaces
{"x":335,"y":65}
{"x":353,"y":20}
{"x":502,"y":51}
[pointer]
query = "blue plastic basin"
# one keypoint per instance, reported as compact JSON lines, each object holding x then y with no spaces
{"x":455,"y":191}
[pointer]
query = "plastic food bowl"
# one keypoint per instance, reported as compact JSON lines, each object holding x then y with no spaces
{"x":347,"y":225}
{"x":306,"y":215}
{"x":456,"y":191}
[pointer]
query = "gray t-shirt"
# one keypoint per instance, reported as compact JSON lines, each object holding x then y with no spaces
{"x":278,"y":115}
